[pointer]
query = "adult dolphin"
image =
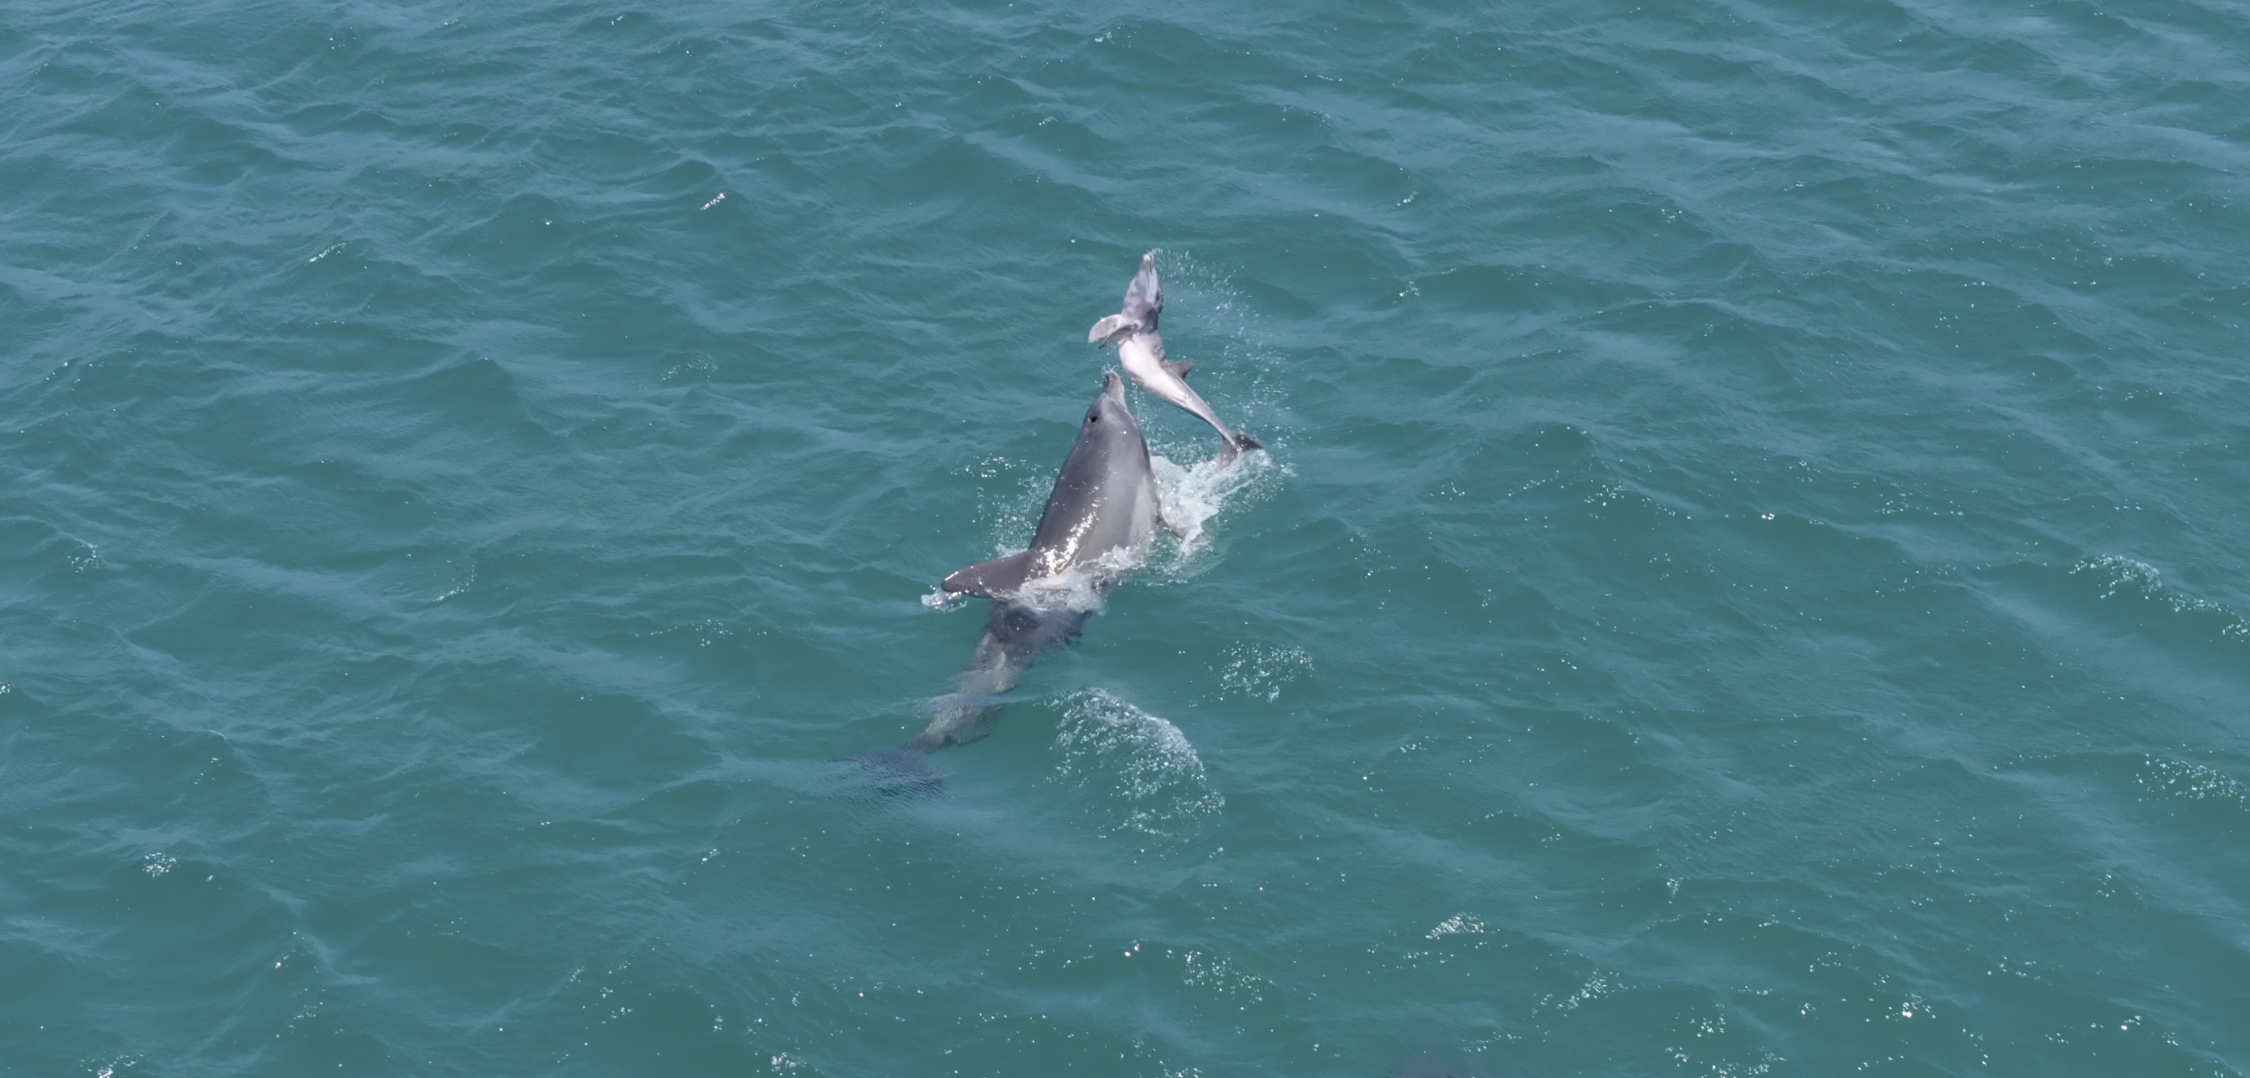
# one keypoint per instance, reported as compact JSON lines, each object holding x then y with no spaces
{"x":1141,"y":350}
{"x":1098,"y":523}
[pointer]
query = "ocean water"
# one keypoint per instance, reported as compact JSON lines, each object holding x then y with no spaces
{"x":1750,"y":578}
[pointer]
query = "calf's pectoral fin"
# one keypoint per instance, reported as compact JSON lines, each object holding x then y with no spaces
{"x":1109,"y":329}
{"x":991,"y":579}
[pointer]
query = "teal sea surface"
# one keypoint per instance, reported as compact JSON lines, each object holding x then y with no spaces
{"x":1751,"y":574}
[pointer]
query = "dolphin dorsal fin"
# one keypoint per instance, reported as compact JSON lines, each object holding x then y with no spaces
{"x":1178,"y":367}
{"x":991,"y":579}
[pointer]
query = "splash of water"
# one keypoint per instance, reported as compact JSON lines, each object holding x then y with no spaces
{"x":1191,"y":496}
{"x":1194,"y":494}
{"x":1138,"y":762}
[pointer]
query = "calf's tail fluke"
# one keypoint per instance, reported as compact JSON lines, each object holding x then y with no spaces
{"x":1236,"y":444}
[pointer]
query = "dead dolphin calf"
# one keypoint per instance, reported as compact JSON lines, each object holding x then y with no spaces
{"x":1141,"y":350}
{"x":1098,"y":523}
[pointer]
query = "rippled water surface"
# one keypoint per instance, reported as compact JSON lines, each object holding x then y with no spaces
{"x":1750,"y":578}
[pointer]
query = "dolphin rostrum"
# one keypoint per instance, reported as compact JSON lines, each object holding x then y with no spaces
{"x":1141,"y":350}
{"x":1099,"y":522}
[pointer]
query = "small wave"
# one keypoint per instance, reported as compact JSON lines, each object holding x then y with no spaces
{"x":2116,"y":573}
{"x":461,"y":584}
{"x":706,"y":631}
{"x":1598,"y":984}
{"x":2118,"y":576}
{"x":1137,"y":761}
{"x":1258,"y":671}
{"x":1457,"y":925}
{"x":2188,"y":781}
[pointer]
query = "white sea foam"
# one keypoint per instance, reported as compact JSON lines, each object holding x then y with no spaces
{"x":1207,"y":318}
{"x":2117,"y":574}
{"x":1457,"y":925}
{"x":941,"y":599}
{"x":1258,"y":671}
{"x":1194,"y":494}
{"x":461,"y":584}
{"x":1080,"y":587}
{"x":1137,"y":762}
{"x":2189,"y":781}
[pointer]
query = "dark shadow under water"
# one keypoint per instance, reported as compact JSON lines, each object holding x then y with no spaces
{"x":1014,"y":635}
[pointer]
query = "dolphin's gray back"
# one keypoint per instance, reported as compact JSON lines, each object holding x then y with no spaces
{"x":1104,"y":500}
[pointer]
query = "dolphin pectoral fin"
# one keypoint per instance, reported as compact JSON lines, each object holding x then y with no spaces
{"x":990,"y":579}
{"x":1178,"y":367}
{"x":1244,"y":441}
{"x":1109,"y":329}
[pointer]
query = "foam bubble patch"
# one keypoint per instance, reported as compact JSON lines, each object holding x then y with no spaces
{"x":1194,"y":494}
{"x":2131,"y":580}
{"x":1258,"y":671}
{"x":941,"y":599}
{"x":1135,"y":763}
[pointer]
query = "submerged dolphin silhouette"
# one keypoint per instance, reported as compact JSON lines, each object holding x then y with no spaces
{"x":1141,"y":350}
{"x":1099,"y":521}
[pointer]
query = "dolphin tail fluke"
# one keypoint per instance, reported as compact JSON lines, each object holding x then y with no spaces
{"x":991,"y":579}
{"x":1144,"y":298}
{"x":1236,"y":444}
